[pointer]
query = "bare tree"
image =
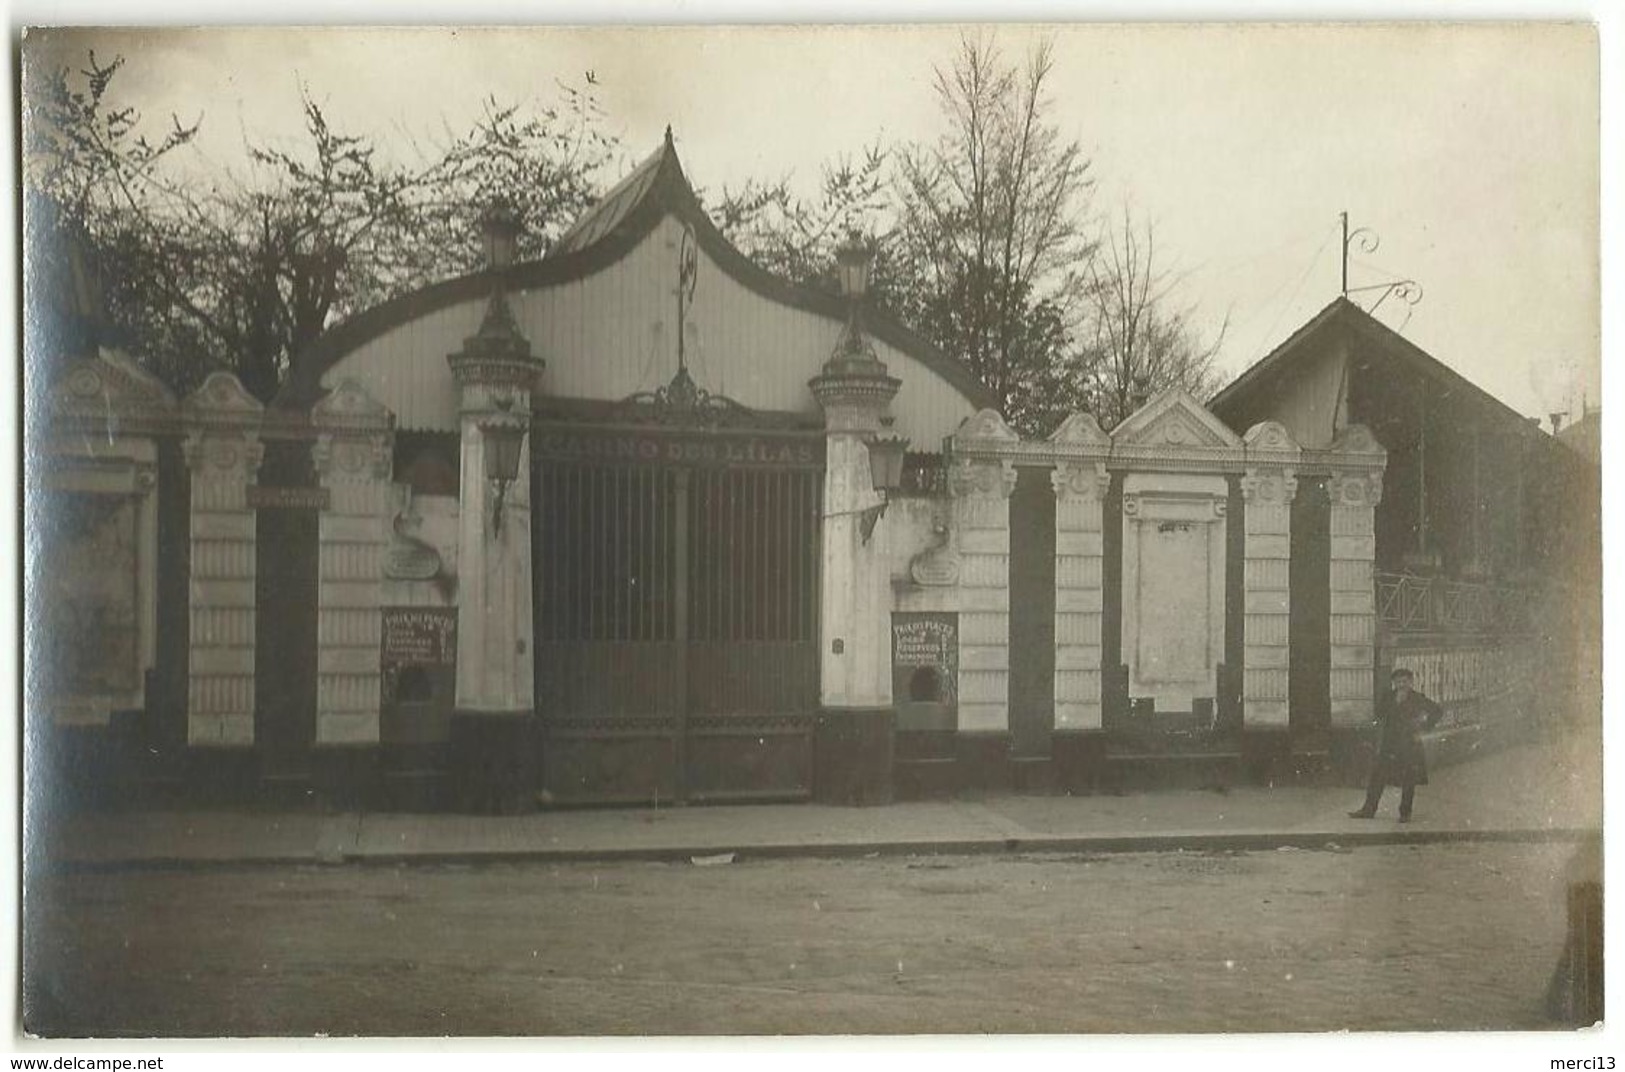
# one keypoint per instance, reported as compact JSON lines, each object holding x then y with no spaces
{"x":992,"y":222}
{"x":797,"y":237}
{"x":1137,"y":341}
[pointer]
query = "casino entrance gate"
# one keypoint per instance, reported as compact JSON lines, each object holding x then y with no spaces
{"x":676,"y":601}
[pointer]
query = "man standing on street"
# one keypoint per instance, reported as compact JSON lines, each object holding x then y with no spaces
{"x":1400,"y":758}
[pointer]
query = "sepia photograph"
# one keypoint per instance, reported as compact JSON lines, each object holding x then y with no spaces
{"x":710,"y":532}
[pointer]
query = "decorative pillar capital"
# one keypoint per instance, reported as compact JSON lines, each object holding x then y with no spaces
{"x":1088,"y":482}
{"x":1269,"y":487}
{"x":1357,"y":461}
{"x":854,"y":400}
{"x":984,"y":477}
{"x":1355,"y":488}
{"x":223,"y":424}
{"x":497,"y":359}
{"x":356,"y":457}
{"x":219,"y":453}
{"x":356,"y":434}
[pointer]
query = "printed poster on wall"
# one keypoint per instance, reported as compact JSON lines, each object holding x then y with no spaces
{"x":925,"y":656}
{"x":417,"y":636}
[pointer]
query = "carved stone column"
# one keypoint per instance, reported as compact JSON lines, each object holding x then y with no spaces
{"x":854,"y":630}
{"x":853,"y":742}
{"x":1081,"y":482}
{"x":981,"y":483}
{"x":1357,"y":462}
{"x":223,"y":452}
{"x":353,"y":455}
{"x":1272,"y":460}
{"x":495,"y":375}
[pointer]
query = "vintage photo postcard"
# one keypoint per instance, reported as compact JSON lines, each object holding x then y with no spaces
{"x":936,"y":530}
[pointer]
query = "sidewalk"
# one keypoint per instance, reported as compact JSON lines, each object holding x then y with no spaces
{"x":1550,"y":790}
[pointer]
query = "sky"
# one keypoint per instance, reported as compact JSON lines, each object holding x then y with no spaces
{"x":1471,"y":150}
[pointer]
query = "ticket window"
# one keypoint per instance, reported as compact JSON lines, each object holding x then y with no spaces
{"x":420,"y":674}
{"x":924,"y":671}
{"x":418,"y":701}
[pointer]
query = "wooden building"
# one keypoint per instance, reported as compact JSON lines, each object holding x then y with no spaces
{"x":1487,"y":536}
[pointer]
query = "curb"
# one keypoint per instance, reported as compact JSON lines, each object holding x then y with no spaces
{"x":1322,"y":840}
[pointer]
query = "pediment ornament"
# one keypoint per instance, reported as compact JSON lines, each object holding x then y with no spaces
{"x":1357,"y":439}
{"x":1175,"y":419}
{"x":223,"y":395}
{"x":1080,"y":429}
{"x":349,"y":403}
{"x":985,"y":426}
{"x":1271,"y":436}
{"x":110,"y":383}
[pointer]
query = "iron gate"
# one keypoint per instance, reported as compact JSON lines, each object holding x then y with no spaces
{"x":676,"y":618}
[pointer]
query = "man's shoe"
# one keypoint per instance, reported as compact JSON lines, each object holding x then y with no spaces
{"x":1361,"y":814}
{"x":1404,"y":818}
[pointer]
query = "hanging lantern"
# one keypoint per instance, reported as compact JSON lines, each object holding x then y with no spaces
{"x":886,"y":461}
{"x":852,"y":262}
{"x":886,"y":474}
{"x":504,"y":443}
{"x":500,"y":225}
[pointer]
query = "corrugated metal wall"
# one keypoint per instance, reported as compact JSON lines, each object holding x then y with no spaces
{"x":614,"y":333}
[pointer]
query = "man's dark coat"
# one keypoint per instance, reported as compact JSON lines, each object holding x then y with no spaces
{"x":1400,"y":758}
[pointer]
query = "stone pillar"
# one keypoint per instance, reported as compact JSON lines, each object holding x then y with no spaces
{"x":1355,"y":488}
{"x":101,"y":418}
{"x":1081,"y":483}
{"x":853,"y":746}
{"x":981,"y":482}
{"x":223,"y":453}
{"x":495,"y":667}
{"x":1267,"y":488}
{"x":353,"y":456}
{"x":854,"y":630}
{"x":493,"y":720}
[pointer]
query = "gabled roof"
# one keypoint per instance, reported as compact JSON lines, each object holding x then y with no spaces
{"x":1345,"y":314}
{"x":616,"y":205}
{"x":609,"y":231}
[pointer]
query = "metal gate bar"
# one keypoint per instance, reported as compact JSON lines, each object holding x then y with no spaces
{"x":676,"y":629}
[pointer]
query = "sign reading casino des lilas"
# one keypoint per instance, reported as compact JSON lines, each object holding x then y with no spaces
{"x":688,"y":447}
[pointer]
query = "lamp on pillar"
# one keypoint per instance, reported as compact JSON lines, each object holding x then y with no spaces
{"x":499,"y":225}
{"x":854,"y":388}
{"x":495,"y":369}
{"x":852,"y":263}
{"x":886,"y":474}
{"x":504,"y":442}
{"x":853,"y":354}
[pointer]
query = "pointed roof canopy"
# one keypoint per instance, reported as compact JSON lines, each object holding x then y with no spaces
{"x":607,"y":232}
{"x":613,"y":209}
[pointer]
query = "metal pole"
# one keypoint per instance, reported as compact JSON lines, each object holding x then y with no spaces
{"x":1344,"y":217}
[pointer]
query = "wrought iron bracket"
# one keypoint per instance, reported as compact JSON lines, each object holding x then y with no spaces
{"x":868,"y":517}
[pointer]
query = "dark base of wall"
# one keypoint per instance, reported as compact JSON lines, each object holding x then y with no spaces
{"x":858,"y":759}
{"x":983,"y":760}
{"x":926,"y":765}
{"x":853,"y":752}
{"x":492,"y":762}
{"x":415,"y":778}
{"x":1080,"y":763}
{"x":1266,"y":756}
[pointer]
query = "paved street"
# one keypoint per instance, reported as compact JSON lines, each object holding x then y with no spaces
{"x":1441,"y":936}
